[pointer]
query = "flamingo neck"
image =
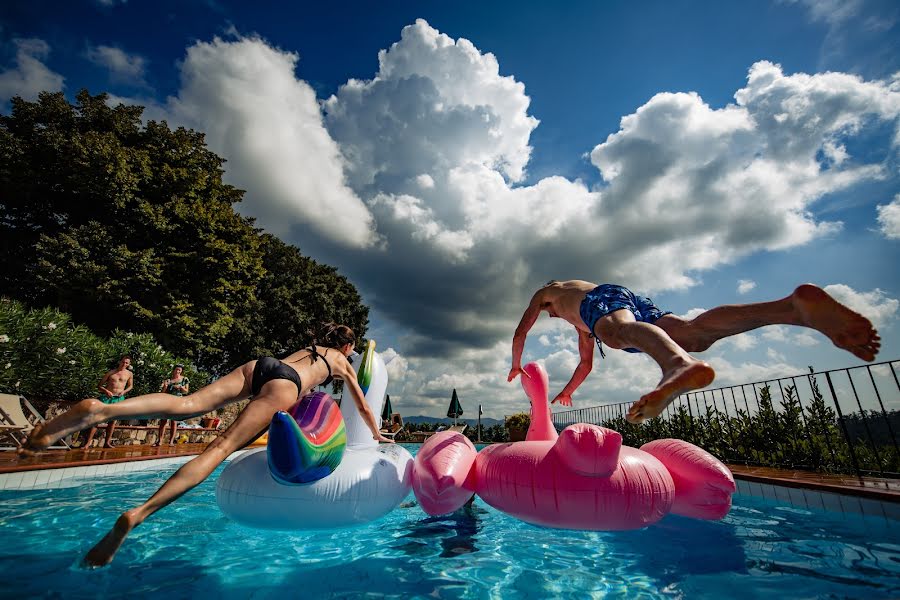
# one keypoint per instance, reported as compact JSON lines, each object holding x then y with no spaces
{"x":541,"y":429}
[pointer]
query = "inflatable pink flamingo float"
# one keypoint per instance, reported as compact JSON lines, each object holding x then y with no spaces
{"x":583,"y":478}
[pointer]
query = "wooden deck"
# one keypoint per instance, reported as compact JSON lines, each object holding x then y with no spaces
{"x":10,"y":462}
{"x":867,"y":487}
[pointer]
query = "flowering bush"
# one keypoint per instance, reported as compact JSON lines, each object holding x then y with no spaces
{"x":43,"y":355}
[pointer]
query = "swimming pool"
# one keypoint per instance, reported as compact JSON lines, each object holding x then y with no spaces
{"x":763,"y":549}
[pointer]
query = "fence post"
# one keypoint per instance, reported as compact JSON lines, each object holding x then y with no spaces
{"x":865,"y":421}
{"x":843,"y":426}
{"x":887,"y":421}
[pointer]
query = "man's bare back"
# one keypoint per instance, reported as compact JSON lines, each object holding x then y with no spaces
{"x":563,"y":299}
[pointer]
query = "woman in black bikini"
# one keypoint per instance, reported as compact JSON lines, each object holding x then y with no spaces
{"x":273,"y":384}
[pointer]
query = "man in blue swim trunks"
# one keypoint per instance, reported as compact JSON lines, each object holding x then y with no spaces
{"x":623,"y":320}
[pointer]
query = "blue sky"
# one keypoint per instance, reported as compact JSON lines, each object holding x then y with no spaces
{"x":451,"y":157}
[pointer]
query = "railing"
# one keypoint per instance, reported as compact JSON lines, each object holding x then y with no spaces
{"x":849,"y":425}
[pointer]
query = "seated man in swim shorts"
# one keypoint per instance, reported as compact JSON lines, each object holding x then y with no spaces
{"x":113,"y":387}
{"x":623,"y":320}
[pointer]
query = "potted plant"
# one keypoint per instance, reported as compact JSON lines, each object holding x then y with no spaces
{"x":517,"y":425}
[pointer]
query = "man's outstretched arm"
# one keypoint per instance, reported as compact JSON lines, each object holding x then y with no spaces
{"x":529,"y":317}
{"x":586,"y":351}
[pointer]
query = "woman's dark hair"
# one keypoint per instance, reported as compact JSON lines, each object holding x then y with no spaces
{"x":334,"y":336}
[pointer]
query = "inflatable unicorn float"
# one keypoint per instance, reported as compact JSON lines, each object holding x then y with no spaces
{"x":321,"y":469}
{"x":582,"y":478}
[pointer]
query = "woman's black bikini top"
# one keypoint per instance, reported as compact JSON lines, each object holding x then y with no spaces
{"x":314,"y":356}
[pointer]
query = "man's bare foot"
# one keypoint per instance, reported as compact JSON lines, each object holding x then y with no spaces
{"x":102,"y":554}
{"x":847,"y":329}
{"x":108,"y":445}
{"x":75,"y":419}
{"x":692,"y":376}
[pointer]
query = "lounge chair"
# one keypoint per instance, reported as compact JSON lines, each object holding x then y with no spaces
{"x":14,"y":425}
{"x":461,"y":428}
{"x":421,"y":436}
{"x":391,"y":431}
{"x":394,"y":428}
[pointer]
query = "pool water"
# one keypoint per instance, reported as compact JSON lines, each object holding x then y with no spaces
{"x":190,"y":550}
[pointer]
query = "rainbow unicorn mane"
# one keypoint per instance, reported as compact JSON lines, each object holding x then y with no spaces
{"x":306,"y":443}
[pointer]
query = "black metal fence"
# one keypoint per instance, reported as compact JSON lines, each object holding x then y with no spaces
{"x":838,"y":421}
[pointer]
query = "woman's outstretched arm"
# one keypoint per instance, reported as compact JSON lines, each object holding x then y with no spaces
{"x":349,"y":376}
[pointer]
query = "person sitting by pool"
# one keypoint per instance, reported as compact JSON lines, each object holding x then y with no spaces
{"x":114,"y":385}
{"x":177,"y":385}
{"x":273,"y":384}
{"x":633,"y":323}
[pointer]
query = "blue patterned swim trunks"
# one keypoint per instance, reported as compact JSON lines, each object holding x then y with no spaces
{"x":607,"y":298}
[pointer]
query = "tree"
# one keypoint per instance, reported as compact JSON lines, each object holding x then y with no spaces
{"x":289,"y":303}
{"x":129,"y":226}
{"x":122,"y":225}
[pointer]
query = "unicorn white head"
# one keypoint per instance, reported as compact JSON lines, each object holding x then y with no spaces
{"x":373,"y":379}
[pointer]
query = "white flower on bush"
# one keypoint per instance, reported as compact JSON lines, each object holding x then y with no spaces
{"x":71,"y":362}
{"x":4,"y":338}
{"x":18,"y":383}
{"x":8,"y":365}
{"x":51,"y":326}
{"x":152,"y":365}
{"x":129,"y":334}
{"x":140,"y":362}
{"x":61,"y":350}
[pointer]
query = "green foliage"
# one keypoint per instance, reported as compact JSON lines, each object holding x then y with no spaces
{"x":44,"y":355}
{"x":290,"y":301}
{"x":129,"y":226}
{"x":789,"y":436}
{"x":124,"y":225}
{"x":518,"y":421}
{"x":489,"y":435}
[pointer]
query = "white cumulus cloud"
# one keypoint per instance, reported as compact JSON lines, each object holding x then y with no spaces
{"x":30,"y":75}
{"x":121,"y":65}
{"x":889,"y":218}
{"x":254,"y":110}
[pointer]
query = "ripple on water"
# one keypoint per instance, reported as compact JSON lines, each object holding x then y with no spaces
{"x":190,"y":549}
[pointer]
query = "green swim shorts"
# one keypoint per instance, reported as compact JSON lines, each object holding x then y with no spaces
{"x":112,"y":399}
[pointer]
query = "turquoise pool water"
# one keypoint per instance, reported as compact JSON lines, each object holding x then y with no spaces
{"x":189,"y":550}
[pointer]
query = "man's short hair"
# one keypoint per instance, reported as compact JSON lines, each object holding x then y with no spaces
{"x":551,"y":282}
{"x":124,"y":356}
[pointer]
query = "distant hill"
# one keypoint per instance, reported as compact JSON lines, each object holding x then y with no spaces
{"x":485,"y":421}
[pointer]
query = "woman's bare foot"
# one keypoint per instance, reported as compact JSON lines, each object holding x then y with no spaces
{"x":102,"y":554}
{"x":692,"y":376}
{"x":79,"y":417}
{"x":29,"y":448}
{"x":847,"y":329}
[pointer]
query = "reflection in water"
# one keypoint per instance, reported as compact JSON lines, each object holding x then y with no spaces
{"x":677,"y":548}
{"x":456,"y":532}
